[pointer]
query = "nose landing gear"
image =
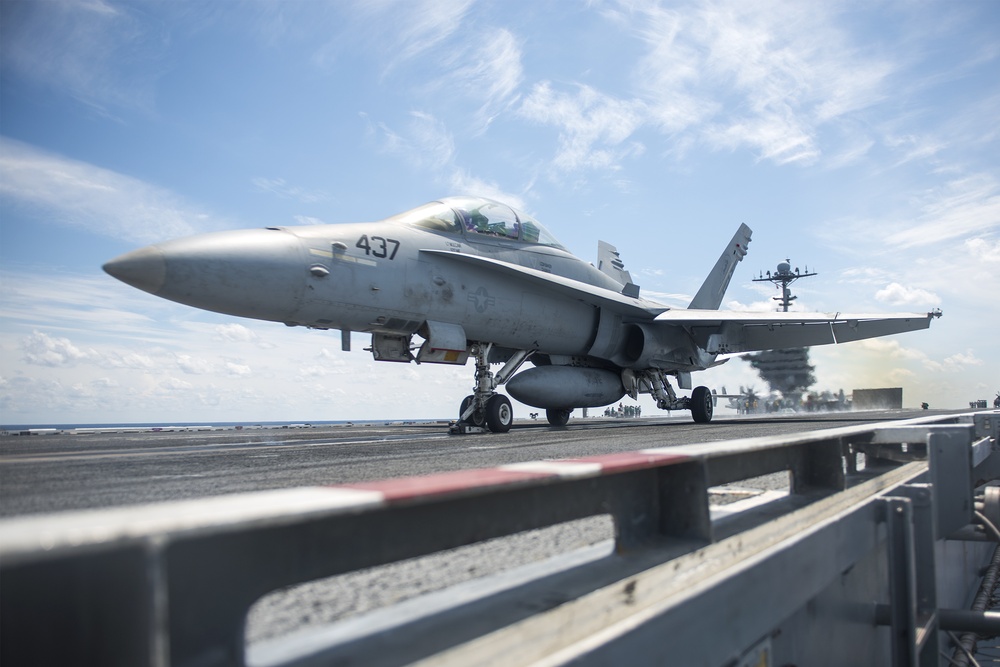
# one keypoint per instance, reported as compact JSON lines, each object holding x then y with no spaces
{"x":485,"y":408}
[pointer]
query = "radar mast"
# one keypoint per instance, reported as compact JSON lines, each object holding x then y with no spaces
{"x":784,"y":276}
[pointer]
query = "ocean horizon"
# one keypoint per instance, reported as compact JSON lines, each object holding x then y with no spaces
{"x":227,"y":424}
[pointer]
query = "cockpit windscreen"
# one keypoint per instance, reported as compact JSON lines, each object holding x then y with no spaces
{"x":479,"y":216}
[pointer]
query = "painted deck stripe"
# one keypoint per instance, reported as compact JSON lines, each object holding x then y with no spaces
{"x":560,"y":468}
{"x":570,"y":468}
{"x":408,"y":488}
{"x":79,"y":528}
{"x":446,"y":483}
{"x":626,"y":461}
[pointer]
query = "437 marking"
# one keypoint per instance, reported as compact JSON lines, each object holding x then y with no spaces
{"x":377,"y":246}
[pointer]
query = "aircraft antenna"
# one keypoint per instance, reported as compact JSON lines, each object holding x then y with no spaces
{"x":784,"y":276}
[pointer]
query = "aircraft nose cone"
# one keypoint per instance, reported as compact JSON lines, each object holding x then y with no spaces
{"x":144,"y":269}
{"x":258,"y":273}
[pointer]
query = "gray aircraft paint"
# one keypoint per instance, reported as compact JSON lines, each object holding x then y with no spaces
{"x":476,"y":278}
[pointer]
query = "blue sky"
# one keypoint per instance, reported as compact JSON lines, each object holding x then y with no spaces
{"x":860,"y":139}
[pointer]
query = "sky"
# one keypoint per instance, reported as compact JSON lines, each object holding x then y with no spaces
{"x":858,"y":139}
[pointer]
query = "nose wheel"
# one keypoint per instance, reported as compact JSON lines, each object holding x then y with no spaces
{"x":485,"y":408}
{"x":497,"y":415}
{"x":476,"y":418}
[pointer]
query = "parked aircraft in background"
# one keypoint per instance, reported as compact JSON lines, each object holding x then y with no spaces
{"x":746,"y":402}
{"x":474,"y":278}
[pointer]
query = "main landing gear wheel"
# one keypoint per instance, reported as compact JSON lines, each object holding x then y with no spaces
{"x":702,"y":405}
{"x":557,"y":416}
{"x":499,"y":414}
{"x":477,"y":418}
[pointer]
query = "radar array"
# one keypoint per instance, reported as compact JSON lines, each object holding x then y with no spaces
{"x":784,"y":276}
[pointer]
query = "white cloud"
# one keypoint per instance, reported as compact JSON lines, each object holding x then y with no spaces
{"x":763,"y":75}
{"x":193,"y":365}
{"x":984,"y":250}
{"x":914,"y":148}
{"x":962,"y":207}
{"x":593,"y":127}
{"x":424,"y":24}
{"x":895,"y":294}
{"x":237,"y":370}
{"x":427,"y":142}
{"x":490,"y":70}
{"x":104,"y":383}
{"x":406,"y":30}
{"x":316,"y":371}
{"x":865,"y":275}
{"x":776,"y":136}
{"x":235,"y":333}
{"x":850,"y":153}
{"x":461,"y":181}
{"x":96,"y":52}
{"x":43,"y":350}
{"x":669,"y":73}
{"x":172,"y":385}
{"x":890,"y":348}
{"x":327,"y":355}
{"x":77,"y":194}
{"x":128,"y":359}
{"x":429,"y":145}
{"x":954,"y":364}
{"x":431,"y":142}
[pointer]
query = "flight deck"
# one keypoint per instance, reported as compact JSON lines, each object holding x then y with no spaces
{"x":593,"y":543}
{"x":110,"y":467}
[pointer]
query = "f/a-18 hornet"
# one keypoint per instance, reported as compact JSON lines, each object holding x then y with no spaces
{"x":474,"y":278}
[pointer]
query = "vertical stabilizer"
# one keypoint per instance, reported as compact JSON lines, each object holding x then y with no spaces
{"x":709,"y":297}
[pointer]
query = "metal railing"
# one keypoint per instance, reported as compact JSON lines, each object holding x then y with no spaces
{"x":171,"y":583}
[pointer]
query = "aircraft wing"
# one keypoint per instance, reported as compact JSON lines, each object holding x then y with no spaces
{"x":626,"y":305}
{"x":727,"y":331}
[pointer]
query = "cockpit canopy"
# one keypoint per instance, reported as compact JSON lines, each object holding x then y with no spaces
{"x":478,"y":216}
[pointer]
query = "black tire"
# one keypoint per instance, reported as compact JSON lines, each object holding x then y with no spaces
{"x":477,"y":418}
{"x":499,"y":414}
{"x":557,"y":416}
{"x":702,"y":405}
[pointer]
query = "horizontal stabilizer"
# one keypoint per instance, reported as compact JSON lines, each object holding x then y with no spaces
{"x":726,"y":331}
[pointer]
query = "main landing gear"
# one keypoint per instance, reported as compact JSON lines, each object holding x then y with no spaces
{"x":557,"y":416}
{"x":656,"y":383}
{"x":485,"y":408}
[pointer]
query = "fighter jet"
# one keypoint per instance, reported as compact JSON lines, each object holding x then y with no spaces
{"x":473,"y":278}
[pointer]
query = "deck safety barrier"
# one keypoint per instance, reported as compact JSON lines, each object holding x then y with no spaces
{"x":862,"y":556}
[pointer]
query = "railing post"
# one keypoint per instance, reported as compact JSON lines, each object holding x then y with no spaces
{"x":902,"y":580}
{"x":818,"y":466}
{"x":93,"y":609}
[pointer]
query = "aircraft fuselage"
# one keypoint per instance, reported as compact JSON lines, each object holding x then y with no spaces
{"x":475,"y":278}
{"x":376,"y":278}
